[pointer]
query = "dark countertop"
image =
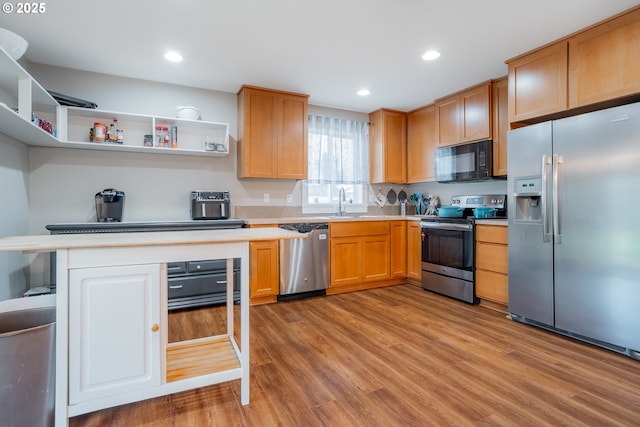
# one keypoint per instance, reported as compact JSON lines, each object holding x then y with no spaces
{"x":142,"y":226}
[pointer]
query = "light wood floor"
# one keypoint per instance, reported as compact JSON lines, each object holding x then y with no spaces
{"x":400,"y":356}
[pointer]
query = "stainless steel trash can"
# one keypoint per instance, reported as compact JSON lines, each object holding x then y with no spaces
{"x":27,"y":368}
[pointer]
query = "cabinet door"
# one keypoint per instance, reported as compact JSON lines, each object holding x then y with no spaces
{"x":292,"y":140}
{"x":375,"y":258}
{"x":264,"y":271}
{"x":492,"y":234}
{"x":395,"y":147}
{"x":346,"y":261}
{"x":421,"y":144}
{"x":492,"y":280}
{"x":493,"y":257}
{"x":114,"y":337}
{"x":500,"y":125}
{"x":475,"y":110}
{"x":398,"y":251}
{"x":604,"y":62}
{"x":272,"y":134}
{"x":387,"y":146}
{"x":492,"y":286}
{"x":414,"y":250}
{"x":258,"y":141}
{"x":448,"y":120}
{"x":376,"y":147}
{"x":538,"y":83}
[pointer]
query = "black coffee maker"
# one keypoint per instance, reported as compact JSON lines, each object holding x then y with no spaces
{"x":109,"y":205}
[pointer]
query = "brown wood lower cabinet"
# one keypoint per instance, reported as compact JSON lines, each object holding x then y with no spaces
{"x":264,"y":272}
{"x":398,"y":248}
{"x":360,"y":256}
{"x":492,"y":267}
{"x":414,"y":253}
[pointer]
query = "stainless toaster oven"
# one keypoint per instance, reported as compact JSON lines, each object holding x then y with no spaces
{"x":210,"y":205}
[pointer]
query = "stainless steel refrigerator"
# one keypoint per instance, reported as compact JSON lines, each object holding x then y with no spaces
{"x":574,"y":226}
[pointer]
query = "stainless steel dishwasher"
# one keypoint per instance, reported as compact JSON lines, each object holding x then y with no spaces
{"x":304,"y":263}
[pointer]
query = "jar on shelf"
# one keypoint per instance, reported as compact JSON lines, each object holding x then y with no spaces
{"x":99,"y":132}
{"x":162,"y":136}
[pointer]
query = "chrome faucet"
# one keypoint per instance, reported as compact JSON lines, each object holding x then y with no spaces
{"x":341,"y":198}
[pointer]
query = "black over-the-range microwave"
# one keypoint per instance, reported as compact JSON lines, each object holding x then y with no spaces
{"x":465,"y":162}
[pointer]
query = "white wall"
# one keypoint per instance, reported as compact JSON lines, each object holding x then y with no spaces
{"x":14,"y":215}
{"x":157,"y":187}
{"x":63,"y":182}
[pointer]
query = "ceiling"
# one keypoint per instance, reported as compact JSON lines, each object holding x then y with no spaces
{"x":328,"y":49}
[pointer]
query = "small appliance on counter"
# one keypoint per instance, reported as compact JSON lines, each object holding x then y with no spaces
{"x":210,"y":205}
{"x":109,"y":205}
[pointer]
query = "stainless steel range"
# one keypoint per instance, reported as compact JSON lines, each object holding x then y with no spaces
{"x":448,"y":245}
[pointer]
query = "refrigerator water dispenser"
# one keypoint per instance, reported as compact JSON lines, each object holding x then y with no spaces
{"x":528,"y":193}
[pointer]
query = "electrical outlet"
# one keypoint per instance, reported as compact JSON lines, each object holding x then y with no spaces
{"x":289,"y":198}
{"x":266,"y":197}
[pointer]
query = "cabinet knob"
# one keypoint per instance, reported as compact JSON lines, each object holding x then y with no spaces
{"x":155,"y":327}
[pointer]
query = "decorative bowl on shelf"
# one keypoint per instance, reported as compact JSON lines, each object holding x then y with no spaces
{"x":13,"y":44}
{"x":187,"y":112}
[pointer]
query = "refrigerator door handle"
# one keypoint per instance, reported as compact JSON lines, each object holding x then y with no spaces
{"x":557,"y":235}
{"x":546,"y":233}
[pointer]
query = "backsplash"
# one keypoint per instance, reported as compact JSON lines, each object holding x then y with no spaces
{"x":296,"y":211}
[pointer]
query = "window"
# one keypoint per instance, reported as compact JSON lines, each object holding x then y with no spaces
{"x":338,"y":158}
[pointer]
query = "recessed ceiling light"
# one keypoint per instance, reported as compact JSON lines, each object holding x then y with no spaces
{"x":430,"y":55}
{"x":173,"y":56}
{"x":364,"y":92}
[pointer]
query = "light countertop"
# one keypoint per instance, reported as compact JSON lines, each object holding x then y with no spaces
{"x":493,"y":221}
{"x":48,"y":243}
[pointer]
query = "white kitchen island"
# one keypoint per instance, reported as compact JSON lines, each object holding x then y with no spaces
{"x":111,"y":315}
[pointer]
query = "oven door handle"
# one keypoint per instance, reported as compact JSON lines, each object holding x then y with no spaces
{"x":447,"y":226}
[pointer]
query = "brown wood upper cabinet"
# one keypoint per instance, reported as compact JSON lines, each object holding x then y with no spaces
{"x":594,"y":66}
{"x":604,"y":61}
{"x":272,"y":134}
{"x":421,"y":144}
{"x":499,"y":99}
{"x":538,"y":83}
{"x":464,"y":116}
{"x":387,"y":146}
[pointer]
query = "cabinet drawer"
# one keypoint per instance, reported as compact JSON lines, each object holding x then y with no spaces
{"x":210,"y":265}
{"x":492,"y":286}
{"x":359,"y":228}
{"x":493,"y":257}
{"x":174,"y":268}
{"x":201,"y":285}
{"x":492,"y":234}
